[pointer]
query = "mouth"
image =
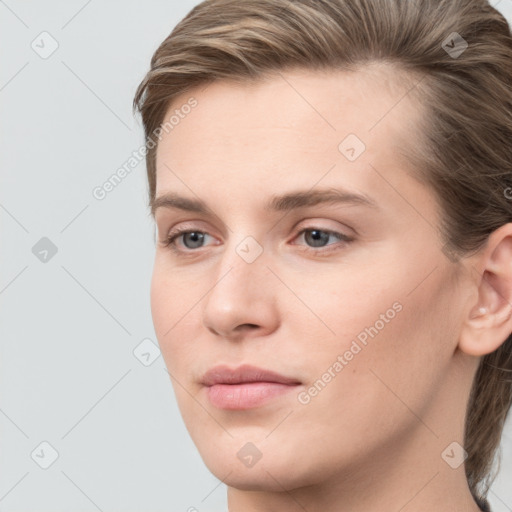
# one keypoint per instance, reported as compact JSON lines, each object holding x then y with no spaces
{"x":245,"y":387}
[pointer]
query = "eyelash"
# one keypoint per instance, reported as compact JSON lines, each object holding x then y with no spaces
{"x":171,"y":244}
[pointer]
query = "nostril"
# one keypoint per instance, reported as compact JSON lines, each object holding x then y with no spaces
{"x":247,"y":327}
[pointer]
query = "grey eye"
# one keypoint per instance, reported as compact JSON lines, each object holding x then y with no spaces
{"x":196,"y":238}
{"x":317,"y":237}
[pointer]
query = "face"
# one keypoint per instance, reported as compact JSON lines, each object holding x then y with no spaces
{"x":313,"y":257}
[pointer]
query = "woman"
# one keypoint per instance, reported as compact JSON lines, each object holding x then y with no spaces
{"x":331,"y":182}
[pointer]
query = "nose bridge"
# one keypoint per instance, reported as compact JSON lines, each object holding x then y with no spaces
{"x":239,"y":293}
{"x":242,"y":266}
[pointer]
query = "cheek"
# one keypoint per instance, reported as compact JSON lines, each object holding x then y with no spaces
{"x":390,"y":348}
{"x":172,"y":297}
{"x":175,"y":309}
{"x":168,"y":310}
{"x":338,"y":311}
{"x":161,"y":302}
{"x":362,"y":406}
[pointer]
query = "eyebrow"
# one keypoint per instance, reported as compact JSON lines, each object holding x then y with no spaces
{"x":282,"y":203}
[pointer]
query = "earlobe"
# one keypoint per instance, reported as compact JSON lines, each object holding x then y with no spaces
{"x":489,"y":322}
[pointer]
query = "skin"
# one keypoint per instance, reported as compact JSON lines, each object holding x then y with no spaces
{"x":372,"y":439}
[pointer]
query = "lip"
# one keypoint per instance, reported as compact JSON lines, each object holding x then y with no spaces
{"x":245,"y":387}
{"x":242,"y":374}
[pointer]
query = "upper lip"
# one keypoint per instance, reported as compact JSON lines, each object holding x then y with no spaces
{"x":245,"y":373}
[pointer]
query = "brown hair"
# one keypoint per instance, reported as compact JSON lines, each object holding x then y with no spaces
{"x":465,"y":154}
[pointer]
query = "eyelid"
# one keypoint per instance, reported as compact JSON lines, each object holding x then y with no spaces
{"x":320,"y":224}
{"x":194,"y":225}
{"x":326,"y":250}
{"x":175,"y":233}
{"x":343,"y":238}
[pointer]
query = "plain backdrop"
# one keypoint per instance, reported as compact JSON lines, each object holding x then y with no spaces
{"x":88,"y":419}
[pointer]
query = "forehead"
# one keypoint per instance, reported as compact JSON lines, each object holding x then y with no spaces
{"x":294,"y":125}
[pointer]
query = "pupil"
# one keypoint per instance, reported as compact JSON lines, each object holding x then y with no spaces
{"x":197,"y":237}
{"x":318,"y":236}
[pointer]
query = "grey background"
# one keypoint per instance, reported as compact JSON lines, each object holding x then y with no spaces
{"x":69,"y":325}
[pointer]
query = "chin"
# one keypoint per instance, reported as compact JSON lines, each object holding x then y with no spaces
{"x":275,"y":471}
{"x":253,"y":479}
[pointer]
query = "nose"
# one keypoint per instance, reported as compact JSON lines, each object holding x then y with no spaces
{"x":241,"y":301}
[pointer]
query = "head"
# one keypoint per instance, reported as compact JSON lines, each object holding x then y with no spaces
{"x":391,"y":307}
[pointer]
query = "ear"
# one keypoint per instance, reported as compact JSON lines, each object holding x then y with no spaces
{"x":489,"y":320}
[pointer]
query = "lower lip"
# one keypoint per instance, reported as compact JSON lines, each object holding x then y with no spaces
{"x":245,"y":396}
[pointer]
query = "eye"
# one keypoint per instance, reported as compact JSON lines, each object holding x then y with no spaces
{"x":194,"y":241}
{"x":318,"y":238}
